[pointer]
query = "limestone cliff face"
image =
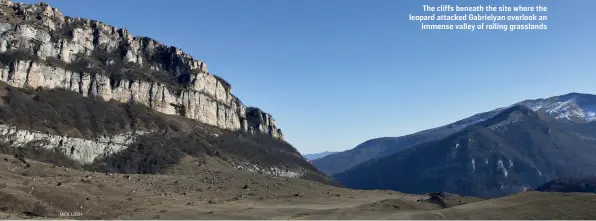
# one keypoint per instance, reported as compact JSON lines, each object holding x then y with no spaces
{"x":81,"y":150}
{"x":86,"y":151}
{"x":41,"y":48}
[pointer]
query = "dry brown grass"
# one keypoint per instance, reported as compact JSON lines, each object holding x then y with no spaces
{"x":213,"y":191}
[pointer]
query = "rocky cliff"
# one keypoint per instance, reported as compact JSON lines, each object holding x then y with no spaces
{"x":41,"y":48}
{"x":64,"y":128}
{"x":81,"y":150}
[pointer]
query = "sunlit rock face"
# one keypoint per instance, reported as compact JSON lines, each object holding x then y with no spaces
{"x":41,"y":48}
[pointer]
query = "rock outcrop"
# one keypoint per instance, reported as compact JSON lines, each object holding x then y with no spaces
{"x":41,"y":48}
{"x":86,"y":151}
{"x":81,"y":150}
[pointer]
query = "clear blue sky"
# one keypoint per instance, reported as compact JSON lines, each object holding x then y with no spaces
{"x":335,"y":73}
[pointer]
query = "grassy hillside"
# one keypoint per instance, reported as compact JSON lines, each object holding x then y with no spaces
{"x":67,"y":113}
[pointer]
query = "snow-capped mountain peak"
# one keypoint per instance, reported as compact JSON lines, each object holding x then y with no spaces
{"x":576,"y":107}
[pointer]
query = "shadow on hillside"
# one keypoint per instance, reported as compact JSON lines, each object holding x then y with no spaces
{"x":66,"y":113}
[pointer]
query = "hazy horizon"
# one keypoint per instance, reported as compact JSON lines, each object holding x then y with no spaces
{"x":336,"y":73}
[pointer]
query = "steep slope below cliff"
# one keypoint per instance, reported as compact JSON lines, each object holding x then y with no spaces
{"x":64,"y":128}
{"x":511,"y":152}
{"x":84,"y":94}
{"x":41,"y":48}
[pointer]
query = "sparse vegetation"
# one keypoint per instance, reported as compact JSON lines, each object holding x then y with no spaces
{"x":100,"y":62}
{"x":109,"y":64}
{"x":68,"y":113}
{"x":67,"y":29}
{"x":158,"y":151}
{"x":173,"y":73}
{"x":50,"y":156}
{"x":63,"y":112}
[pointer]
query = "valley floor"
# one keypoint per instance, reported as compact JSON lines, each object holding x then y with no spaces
{"x":45,"y":191}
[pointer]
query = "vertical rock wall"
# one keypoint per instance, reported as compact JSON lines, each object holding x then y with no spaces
{"x":40,"y":47}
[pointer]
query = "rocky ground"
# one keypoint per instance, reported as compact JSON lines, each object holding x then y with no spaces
{"x":30,"y":189}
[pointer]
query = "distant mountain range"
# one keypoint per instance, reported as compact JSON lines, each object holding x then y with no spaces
{"x":314,"y":156}
{"x":490,"y":154}
{"x":385,"y":146}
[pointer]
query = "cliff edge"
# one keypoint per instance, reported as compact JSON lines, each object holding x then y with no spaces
{"x":40,"y":48}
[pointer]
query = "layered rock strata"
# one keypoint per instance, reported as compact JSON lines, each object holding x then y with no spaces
{"x":41,"y":48}
{"x":81,"y":150}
